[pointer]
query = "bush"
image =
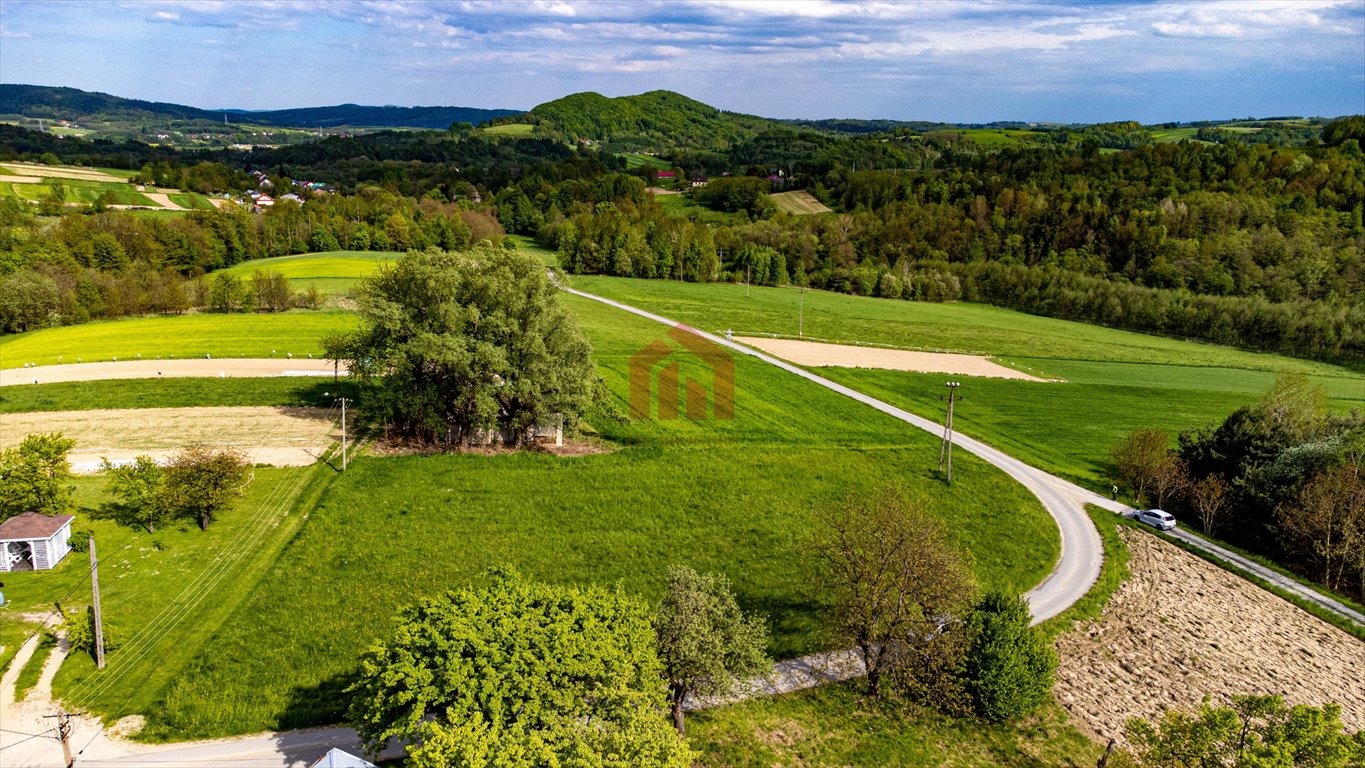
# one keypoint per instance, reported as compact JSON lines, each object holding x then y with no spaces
{"x":80,"y":541}
{"x":80,"y":633}
{"x":1009,"y":663}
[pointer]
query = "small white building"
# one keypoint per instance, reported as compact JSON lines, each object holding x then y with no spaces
{"x":34,"y":542}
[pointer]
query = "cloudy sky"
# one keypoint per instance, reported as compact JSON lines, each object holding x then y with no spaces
{"x":954,"y":60}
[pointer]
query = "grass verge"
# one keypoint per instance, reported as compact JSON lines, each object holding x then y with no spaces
{"x":28,"y":676}
{"x":1113,"y":572}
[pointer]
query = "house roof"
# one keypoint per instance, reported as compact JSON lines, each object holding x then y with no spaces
{"x":31,"y":525}
{"x":335,"y":758}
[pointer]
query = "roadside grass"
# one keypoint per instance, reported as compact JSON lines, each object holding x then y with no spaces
{"x":296,"y":391}
{"x":1336,"y":620}
{"x":28,"y":676}
{"x":799,"y":202}
{"x":1116,"y":381}
{"x":742,"y":496}
{"x":837,"y":725}
{"x":1113,"y":572}
{"x":178,"y":584}
{"x":299,"y":332}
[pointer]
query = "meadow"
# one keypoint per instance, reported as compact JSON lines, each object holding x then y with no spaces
{"x":742,"y":496}
{"x":799,"y":202}
{"x":1115,"y":381}
{"x":333,"y":273}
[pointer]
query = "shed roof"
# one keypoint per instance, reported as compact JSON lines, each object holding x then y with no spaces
{"x":31,"y":525}
{"x":336,"y":758}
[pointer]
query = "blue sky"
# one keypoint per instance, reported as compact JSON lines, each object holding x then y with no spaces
{"x":953,"y":60}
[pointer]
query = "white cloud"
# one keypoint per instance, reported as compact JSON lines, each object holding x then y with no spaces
{"x":167,"y":15}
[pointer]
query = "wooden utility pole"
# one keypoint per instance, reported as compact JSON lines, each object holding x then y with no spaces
{"x":343,"y":434}
{"x":801,"y":317}
{"x":95,"y":591}
{"x":945,"y":451}
{"x":64,"y":736}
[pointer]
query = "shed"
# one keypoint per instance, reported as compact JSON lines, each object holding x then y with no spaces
{"x":34,"y":542}
{"x":336,"y":758}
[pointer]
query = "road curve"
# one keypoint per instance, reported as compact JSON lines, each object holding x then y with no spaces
{"x":1082,"y":552}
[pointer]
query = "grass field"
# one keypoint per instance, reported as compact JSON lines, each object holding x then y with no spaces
{"x":740,"y":496}
{"x":334,"y":273}
{"x":299,"y":332}
{"x":836,"y":725}
{"x":142,"y":575}
{"x":510,"y":129}
{"x":683,"y":206}
{"x":1116,"y":381}
{"x":79,"y":191}
{"x":298,"y":391}
{"x":191,"y":200}
{"x":636,"y":160}
{"x":799,"y":202}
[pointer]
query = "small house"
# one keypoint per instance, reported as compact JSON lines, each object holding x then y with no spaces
{"x":34,"y":542}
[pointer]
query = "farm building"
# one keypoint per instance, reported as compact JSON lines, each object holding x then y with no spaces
{"x":34,"y":542}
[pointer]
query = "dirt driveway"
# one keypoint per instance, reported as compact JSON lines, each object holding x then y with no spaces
{"x":1181,"y":628}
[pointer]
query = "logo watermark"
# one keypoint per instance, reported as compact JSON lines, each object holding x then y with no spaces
{"x":658,"y":367}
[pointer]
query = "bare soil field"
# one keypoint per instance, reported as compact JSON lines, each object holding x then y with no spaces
{"x":847,"y":356}
{"x":1181,"y":628}
{"x":282,"y":437}
{"x":6,"y":179}
{"x":227,"y":368}
{"x":62,"y":172}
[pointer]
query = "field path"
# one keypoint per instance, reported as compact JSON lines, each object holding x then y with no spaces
{"x":194,"y":367}
{"x":163,"y":200}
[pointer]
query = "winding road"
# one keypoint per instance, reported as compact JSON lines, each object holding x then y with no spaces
{"x":1077,"y":569}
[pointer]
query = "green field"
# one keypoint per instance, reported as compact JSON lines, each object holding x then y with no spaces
{"x":1116,"y":381}
{"x":79,"y":191}
{"x":741,"y":496}
{"x":799,"y":202}
{"x":334,"y":273}
{"x":510,"y":129}
{"x":299,"y":332}
{"x":190,"y":200}
{"x":636,"y":160}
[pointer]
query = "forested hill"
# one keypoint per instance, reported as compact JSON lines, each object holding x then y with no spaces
{"x":75,"y":105}
{"x":659,"y":117}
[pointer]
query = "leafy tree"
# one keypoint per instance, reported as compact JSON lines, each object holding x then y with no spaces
{"x":1327,"y":519}
{"x":226,"y":293}
{"x":1141,"y":458}
{"x":272,"y":290}
{"x":1254,"y":731}
{"x":455,"y":345}
{"x":897,"y":581}
{"x":707,"y":645}
{"x":1209,"y":497}
{"x":28,"y":300}
{"x":138,"y":488}
{"x":34,"y":476}
{"x":1009,"y":662}
{"x":200,"y":483}
{"x":515,"y":672}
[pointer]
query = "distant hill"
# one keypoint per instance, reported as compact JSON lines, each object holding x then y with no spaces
{"x":657,"y":116}
{"x":59,"y":103}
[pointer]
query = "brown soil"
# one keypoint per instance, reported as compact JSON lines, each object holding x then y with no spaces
{"x":276,"y":436}
{"x":1181,"y":628}
{"x":847,"y":356}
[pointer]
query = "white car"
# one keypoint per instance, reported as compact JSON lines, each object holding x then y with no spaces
{"x":1155,"y":518}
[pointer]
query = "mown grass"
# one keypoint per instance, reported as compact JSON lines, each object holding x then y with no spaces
{"x":799,"y":202}
{"x":1116,"y":381}
{"x":28,"y":676}
{"x":299,"y":332}
{"x":171,"y":393}
{"x":741,"y":496}
{"x":510,"y":129}
{"x":636,"y":160}
{"x":178,"y":585}
{"x":836,"y":725}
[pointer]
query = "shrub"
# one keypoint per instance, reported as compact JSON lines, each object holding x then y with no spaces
{"x":1009,"y":663}
{"x":80,"y":541}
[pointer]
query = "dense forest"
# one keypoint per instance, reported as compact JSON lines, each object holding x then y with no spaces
{"x":1242,"y":243}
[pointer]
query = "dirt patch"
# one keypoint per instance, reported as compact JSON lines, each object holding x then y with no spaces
{"x":1181,"y":628}
{"x":161,"y":199}
{"x":287,"y":437}
{"x":51,"y":172}
{"x":4,"y":179}
{"x":847,"y":356}
{"x":230,"y":368}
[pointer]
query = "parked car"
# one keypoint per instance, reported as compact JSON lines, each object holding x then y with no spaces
{"x":1156,"y":518}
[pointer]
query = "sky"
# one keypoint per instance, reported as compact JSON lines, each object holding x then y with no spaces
{"x":948,"y":60}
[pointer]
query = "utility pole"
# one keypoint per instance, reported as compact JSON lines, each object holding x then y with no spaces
{"x":95,"y":590}
{"x":343,"y":434}
{"x":801,"y":318}
{"x":748,"y":279}
{"x":945,"y":451}
{"x":64,"y":736}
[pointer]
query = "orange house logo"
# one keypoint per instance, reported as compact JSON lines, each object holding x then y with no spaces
{"x":659,"y":362}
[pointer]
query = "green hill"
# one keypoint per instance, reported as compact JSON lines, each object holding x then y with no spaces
{"x":662,"y":117}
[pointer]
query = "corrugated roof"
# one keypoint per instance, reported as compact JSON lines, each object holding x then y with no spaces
{"x":31,"y":525}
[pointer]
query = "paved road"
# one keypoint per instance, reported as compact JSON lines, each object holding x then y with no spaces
{"x":1079,"y":564}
